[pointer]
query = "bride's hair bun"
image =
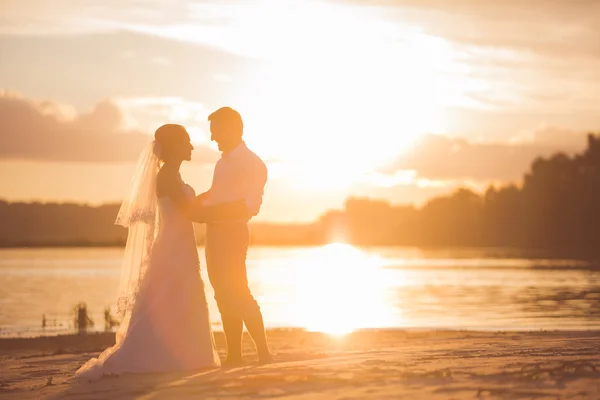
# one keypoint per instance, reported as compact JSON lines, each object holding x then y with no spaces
{"x":166,"y":138}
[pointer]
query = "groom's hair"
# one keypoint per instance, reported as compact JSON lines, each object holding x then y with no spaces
{"x":228,"y":117}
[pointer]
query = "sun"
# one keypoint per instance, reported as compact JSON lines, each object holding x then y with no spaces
{"x":340,"y":105}
{"x":336,"y":90}
{"x":340,"y":289}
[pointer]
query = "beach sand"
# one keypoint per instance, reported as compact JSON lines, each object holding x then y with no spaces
{"x":361,"y":365}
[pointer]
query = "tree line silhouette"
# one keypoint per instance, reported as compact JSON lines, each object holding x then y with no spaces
{"x":556,"y":208}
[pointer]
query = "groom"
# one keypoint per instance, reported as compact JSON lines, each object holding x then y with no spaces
{"x":239,"y":175}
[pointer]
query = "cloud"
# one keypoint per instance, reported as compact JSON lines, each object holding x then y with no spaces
{"x":485,"y":68}
{"x":49,"y":131}
{"x":84,"y":68}
{"x":439,"y":157}
{"x":531,"y":55}
{"x":151,"y":112}
{"x":75,"y":16}
{"x":524,"y":24}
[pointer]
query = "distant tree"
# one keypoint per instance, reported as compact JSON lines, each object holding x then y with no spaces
{"x":555,"y":208}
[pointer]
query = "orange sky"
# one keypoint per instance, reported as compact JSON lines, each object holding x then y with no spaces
{"x":395,"y":99}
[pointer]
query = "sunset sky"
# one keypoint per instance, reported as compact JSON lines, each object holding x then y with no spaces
{"x":402,"y":100}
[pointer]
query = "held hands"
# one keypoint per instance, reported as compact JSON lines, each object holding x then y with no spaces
{"x":201,"y":197}
{"x":233,"y":210}
{"x":199,"y":200}
{"x":236,"y":204}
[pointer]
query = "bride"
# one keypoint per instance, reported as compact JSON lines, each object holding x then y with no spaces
{"x":165,"y":325}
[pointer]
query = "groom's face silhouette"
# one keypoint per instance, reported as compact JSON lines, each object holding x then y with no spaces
{"x":226,"y":128}
{"x":226,"y":139}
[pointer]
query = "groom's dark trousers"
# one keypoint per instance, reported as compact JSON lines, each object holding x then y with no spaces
{"x":226,"y":247}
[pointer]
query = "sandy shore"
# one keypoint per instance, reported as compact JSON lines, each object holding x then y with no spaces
{"x":362,"y":365}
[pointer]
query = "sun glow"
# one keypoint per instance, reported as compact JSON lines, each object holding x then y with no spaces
{"x":340,"y":289}
{"x":336,"y":91}
{"x":343,"y":103}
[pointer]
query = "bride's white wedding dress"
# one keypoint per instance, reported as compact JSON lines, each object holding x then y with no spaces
{"x":169,"y":327}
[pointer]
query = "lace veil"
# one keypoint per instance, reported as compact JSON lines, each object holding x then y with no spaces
{"x":138,"y":213}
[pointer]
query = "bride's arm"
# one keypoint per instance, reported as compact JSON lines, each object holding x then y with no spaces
{"x":169,"y":185}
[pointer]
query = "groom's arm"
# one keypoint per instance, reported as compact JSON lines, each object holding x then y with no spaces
{"x":255,"y":187}
{"x":234,"y":210}
{"x":203,"y":196}
{"x":169,"y":185}
{"x":243,"y":209}
{"x":199,"y":213}
{"x":254,"y":183}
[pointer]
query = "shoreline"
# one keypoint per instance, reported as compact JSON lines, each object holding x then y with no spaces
{"x":70,"y":333}
{"x":370,"y":364}
{"x":91,"y":340}
{"x":457,"y":251}
{"x":35,"y":334}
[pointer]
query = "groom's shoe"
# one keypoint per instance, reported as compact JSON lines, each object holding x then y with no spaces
{"x":233,"y":363}
{"x":264,"y":359}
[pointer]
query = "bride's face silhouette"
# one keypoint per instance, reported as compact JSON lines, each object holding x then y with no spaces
{"x":182,"y":149}
{"x":174,"y":142}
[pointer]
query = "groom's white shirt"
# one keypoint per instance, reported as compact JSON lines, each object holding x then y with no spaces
{"x":239,"y":174}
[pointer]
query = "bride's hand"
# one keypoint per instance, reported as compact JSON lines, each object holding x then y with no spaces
{"x":200,"y":199}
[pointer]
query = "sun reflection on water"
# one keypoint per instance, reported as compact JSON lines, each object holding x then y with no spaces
{"x":338,"y":289}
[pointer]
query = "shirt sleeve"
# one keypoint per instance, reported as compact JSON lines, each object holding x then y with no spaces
{"x":256,"y":181}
